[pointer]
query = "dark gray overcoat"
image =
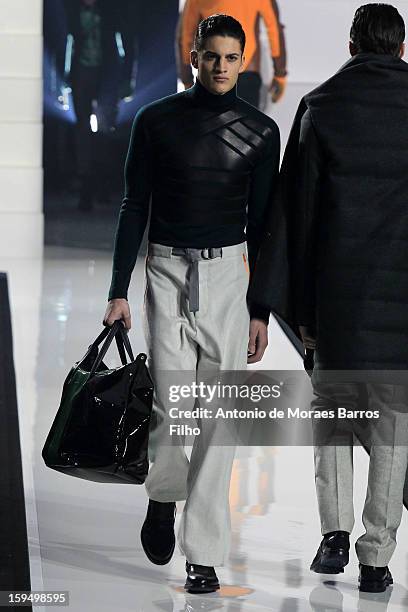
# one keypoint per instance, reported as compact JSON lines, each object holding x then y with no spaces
{"x":335,"y":256}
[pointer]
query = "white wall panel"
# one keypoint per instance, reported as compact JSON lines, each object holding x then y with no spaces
{"x":20,"y":144}
{"x":15,"y":94}
{"x":21,"y":218}
{"x":21,"y":235}
{"x":21,"y":189}
{"x":23,"y":16}
{"x":317,"y":34}
{"x":20,"y":55}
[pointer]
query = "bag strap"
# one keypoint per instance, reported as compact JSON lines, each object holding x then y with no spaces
{"x":123,"y":344}
{"x":122,"y":338}
{"x":109,"y":334}
{"x":118,"y":332}
{"x":121,"y":349}
{"x":101,"y":337}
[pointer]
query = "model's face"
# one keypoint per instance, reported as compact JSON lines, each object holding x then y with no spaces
{"x":219,"y":63}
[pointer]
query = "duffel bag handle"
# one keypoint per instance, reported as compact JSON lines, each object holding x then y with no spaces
{"x":100,"y":338}
{"x":123,"y":342}
{"x":109,"y":334}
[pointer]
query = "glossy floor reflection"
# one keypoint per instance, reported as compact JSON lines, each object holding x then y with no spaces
{"x":84,"y":537}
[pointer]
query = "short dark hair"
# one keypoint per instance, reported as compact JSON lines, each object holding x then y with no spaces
{"x":378,"y":28}
{"x":218,"y":25}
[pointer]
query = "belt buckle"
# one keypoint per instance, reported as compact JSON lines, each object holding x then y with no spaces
{"x":208,"y":253}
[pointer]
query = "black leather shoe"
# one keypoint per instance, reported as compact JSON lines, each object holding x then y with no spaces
{"x":201,"y":579}
{"x":157,"y":533}
{"x":333,"y":553}
{"x":374,"y":579}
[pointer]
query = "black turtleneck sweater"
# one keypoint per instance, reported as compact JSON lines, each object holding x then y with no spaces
{"x":209,"y":164}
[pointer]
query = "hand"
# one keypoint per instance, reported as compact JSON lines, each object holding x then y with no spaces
{"x":258,"y":340}
{"x":277,"y":88}
{"x":308,"y":338}
{"x":118,"y":309}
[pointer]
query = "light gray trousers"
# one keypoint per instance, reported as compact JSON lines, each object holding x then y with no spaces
{"x":213,"y":338}
{"x":388,"y":438}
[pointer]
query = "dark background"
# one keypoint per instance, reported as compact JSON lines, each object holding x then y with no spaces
{"x":148,"y":30}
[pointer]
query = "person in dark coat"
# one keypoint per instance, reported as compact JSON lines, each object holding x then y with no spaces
{"x":335,"y":261}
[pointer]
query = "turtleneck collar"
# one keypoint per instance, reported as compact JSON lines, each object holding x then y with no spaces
{"x":216,"y":102}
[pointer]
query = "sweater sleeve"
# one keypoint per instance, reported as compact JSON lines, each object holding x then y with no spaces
{"x":263,"y":184}
{"x":134,"y":211}
{"x":262,"y":192}
{"x":271,"y":284}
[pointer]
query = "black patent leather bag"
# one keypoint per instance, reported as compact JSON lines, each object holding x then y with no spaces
{"x":101,"y":429}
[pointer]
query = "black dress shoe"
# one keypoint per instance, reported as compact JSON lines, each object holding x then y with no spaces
{"x":157,"y":533}
{"x":201,"y":579}
{"x":333,"y":553}
{"x":374,"y":579}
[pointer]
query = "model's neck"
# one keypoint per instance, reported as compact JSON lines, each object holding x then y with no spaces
{"x":215,"y":101}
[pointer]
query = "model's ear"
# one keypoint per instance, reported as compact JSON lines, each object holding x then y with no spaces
{"x":402,"y":50}
{"x":194,"y":59}
{"x":352,"y":49}
{"x":241,"y":68}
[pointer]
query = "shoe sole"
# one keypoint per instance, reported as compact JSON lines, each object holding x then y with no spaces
{"x":375,"y":586}
{"x":321,"y":569}
{"x":153,"y":559}
{"x":198,"y":590}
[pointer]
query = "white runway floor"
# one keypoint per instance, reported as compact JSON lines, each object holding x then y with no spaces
{"x":84,"y":537}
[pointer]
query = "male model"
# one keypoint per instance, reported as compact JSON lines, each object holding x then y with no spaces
{"x":248,"y":13}
{"x":345,"y":197}
{"x":94,"y":50}
{"x":209,"y":162}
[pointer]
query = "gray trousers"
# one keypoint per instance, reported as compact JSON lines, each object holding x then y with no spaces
{"x":387,"y":439}
{"x":213,"y":338}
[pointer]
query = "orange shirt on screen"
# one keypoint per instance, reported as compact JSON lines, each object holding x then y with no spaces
{"x":248,"y":13}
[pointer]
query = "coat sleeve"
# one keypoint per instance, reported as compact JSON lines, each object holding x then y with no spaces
{"x":304,"y":223}
{"x":271,"y":283}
